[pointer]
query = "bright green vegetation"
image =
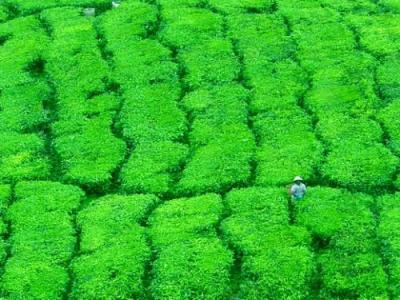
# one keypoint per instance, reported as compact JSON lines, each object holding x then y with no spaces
{"x":146,"y":152}
{"x":42,"y":240}
{"x":112,"y":245}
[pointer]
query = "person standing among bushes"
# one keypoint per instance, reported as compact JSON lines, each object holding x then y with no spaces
{"x":298,"y":189}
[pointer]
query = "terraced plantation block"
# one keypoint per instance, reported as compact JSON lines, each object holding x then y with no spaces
{"x":21,"y":108}
{"x":344,"y":224}
{"x":42,"y":241}
{"x":389,"y":117}
{"x":185,"y":27}
{"x":153,"y":168}
{"x":133,"y":19}
{"x":32,"y":6}
{"x":144,"y":62}
{"x":23,"y":157}
{"x":238,"y":6}
{"x":378,"y":34}
{"x":5,"y":199}
{"x":260,"y":35}
{"x":183,"y":232}
{"x":113,"y":245}
{"x":80,"y":75}
{"x":220,"y":165}
{"x":214,"y":108}
{"x":388,"y":78}
{"x":151,"y":114}
{"x":335,"y":128}
{"x":277,"y":262}
{"x":23,"y":44}
{"x":360,"y":167}
{"x":211,"y":62}
{"x":389,"y":238}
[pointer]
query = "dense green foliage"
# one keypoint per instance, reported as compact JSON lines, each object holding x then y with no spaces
{"x":43,"y":240}
{"x":147,"y":149}
{"x":113,"y":248}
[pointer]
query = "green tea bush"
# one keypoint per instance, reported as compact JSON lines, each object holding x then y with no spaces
{"x":276,"y":85}
{"x":211,"y":62}
{"x":379,"y":34}
{"x":109,"y":218}
{"x":335,"y":128}
{"x":143,"y":62}
{"x":268,"y":202}
{"x":325,"y":211}
{"x":260,"y":36}
{"x":240,"y":6}
{"x":191,"y":262}
{"x":151,"y":167}
{"x":4,"y":14}
{"x":307,"y":12}
{"x":22,"y":157}
{"x":168,"y":4}
{"x":42,"y":240}
{"x":340,"y":99}
{"x":388,"y":78}
{"x":27,"y":7}
{"x":34,"y":279}
{"x":292,"y":154}
{"x":389,"y":116}
{"x":220,"y":165}
{"x":196,"y":269}
{"x":330,"y":40}
{"x":113,"y":245}
{"x":5,"y":198}
{"x":287,"y":146}
{"x":184,"y":219}
{"x":25,"y":42}
{"x":214,"y":107}
{"x":349,"y":6}
{"x":389,"y":225}
{"x":133,"y":18}
{"x":114,"y":272}
{"x":360,"y":167}
{"x":390,"y":5}
{"x":87,"y":162}
{"x":21,"y":107}
{"x":283,"y":273}
{"x":358,"y":276}
{"x":151,"y":114}
{"x":186,"y":27}
{"x":277,"y":263}
{"x":74,"y":61}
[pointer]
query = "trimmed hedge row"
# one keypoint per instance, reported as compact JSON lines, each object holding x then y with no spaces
{"x":150,"y":118}
{"x":5,"y":198}
{"x":344,"y":223}
{"x":42,"y":240}
{"x":80,"y":76}
{"x":284,"y":132}
{"x":277,"y":262}
{"x":113,"y":248}
{"x":388,"y":78}
{"x":185,"y":27}
{"x":388,"y":234}
{"x":191,"y":263}
{"x":389,"y":116}
{"x":26,"y":7}
{"x":222,"y":146}
{"x":240,"y":6}
{"x":22,"y":152}
{"x":379,"y":34}
{"x":343,"y":99}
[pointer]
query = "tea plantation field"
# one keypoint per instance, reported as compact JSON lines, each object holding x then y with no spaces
{"x":146,"y":151}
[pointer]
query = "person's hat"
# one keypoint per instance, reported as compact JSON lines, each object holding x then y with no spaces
{"x":298,"y":178}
